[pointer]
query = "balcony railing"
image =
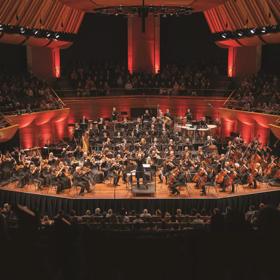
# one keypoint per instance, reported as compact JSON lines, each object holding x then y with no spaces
{"x":145,"y":92}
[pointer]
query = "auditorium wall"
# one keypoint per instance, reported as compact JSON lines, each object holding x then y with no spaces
{"x":38,"y":129}
{"x":250,"y":125}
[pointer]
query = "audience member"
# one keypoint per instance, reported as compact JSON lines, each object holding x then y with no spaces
{"x":25,"y":94}
{"x":260,"y":93}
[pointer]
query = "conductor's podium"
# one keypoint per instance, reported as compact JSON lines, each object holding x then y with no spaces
{"x":148,"y":190}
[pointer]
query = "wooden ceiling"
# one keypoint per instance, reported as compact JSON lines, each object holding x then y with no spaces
{"x":90,"y":5}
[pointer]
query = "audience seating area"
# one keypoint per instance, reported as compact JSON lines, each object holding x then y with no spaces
{"x":3,"y":122}
{"x":259,"y":217}
{"x":107,"y":79}
{"x":259,"y":93}
{"x":24,"y":93}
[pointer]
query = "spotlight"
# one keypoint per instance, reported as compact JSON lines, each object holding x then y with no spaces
{"x":22,"y":30}
{"x":57,"y":35}
{"x":36,"y":32}
{"x":253,"y":31}
{"x":224,"y":35}
{"x":48,"y":35}
{"x":240,"y":33}
{"x":1,"y":27}
{"x":264,"y":30}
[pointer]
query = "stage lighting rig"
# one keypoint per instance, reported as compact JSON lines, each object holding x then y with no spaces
{"x":143,"y":11}
{"x":38,"y":33}
{"x":247,"y":32}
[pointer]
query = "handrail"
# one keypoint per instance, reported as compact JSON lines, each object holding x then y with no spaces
{"x":229,"y":97}
{"x":6,"y":119}
{"x":159,"y":88}
{"x":147,"y":91}
{"x":59,"y":99}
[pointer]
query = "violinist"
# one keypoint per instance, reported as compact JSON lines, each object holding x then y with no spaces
{"x":23,"y":174}
{"x":62,"y":181}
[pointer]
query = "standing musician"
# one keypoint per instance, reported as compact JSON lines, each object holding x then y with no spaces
{"x":188,"y":116}
{"x":114,"y":115}
{"x":140,"y":174}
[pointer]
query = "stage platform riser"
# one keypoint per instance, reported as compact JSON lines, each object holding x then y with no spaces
{"x":51,"y":205}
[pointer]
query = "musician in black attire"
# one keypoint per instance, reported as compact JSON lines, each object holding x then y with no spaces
{"x":80,"y":180}
{"x":23,"y":176}
{"x":140,"y":170}
{"x":62,"y":182}
{"x":114,"y":115}
{"x":146,"y":117}
{"x":116,"y":171}
{"x":188,"y":116}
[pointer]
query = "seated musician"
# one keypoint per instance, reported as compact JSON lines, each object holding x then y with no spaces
{"x":146,"y":117}
{"x":116,"y":172}
{"x":174,"y":182}
{"x":62,"y":181}
{"x":168,"y":114}
{"x":203,"y":123}
{"x":81,"y":181}
{"x":24,"y":174}
{"x":45,"y":174}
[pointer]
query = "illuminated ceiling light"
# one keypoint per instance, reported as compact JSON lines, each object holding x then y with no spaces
{"x":57,"y":35}
{"x":240,"y":33}
{"x":48,"y":35}
{"x":1,"y":27}
{"x":224,"y":35}
{"x":22,"y":30}
{"x":253,"y":31}
{"x":264,"y":30}
{"x":36,"y":32}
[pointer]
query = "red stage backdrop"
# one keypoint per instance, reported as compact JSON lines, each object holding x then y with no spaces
{"x":7,"y":133}
{"x":248,"y":124}
{"x":38,"y":129}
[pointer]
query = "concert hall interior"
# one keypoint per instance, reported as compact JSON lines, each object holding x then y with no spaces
{"x":139,"y":139}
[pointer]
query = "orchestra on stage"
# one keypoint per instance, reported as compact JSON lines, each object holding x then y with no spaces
{"x":152,"y":148}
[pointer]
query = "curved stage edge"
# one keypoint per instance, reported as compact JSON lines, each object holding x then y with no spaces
{"x":50,"y":205}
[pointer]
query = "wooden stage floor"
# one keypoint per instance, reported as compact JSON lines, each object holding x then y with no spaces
{"x":108,"y":191}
